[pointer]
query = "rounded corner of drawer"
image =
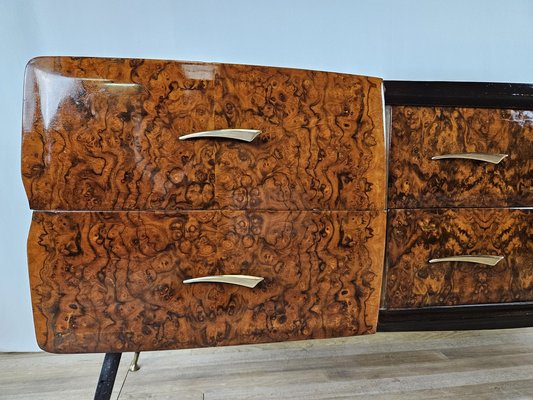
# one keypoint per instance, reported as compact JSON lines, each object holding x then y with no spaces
{"x":44,"y":346}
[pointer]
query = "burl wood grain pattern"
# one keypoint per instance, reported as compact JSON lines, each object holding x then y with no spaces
{"x":416,"y":236}
{"x":419,"y":133}
{"x":102,"y":134}
{"x":322,"y":145}
{"x":108,"y":281}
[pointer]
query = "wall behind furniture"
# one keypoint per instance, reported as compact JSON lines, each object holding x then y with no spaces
{"x":475,"y":40}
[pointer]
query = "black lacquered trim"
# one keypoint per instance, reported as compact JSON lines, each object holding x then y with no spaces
{"x":459,"y":94}
{"x":490,"y":316}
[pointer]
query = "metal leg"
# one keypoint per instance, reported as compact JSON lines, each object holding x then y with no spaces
{"x":134,"y":366}
{"x":107,"y":376}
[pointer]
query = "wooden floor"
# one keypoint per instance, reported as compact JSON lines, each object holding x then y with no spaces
{"x":477,"y":365}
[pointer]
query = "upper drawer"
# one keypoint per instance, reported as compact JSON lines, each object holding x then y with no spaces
{"x":420,"y":133}
{"x":103,"y":134}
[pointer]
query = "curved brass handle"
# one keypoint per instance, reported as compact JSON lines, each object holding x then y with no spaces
{"x":246,"y":135}
{"x":478,"y":259}
{"x":241,"y":280}
{"x":491,"y":158}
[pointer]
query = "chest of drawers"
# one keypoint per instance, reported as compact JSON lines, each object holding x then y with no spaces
{"x":184,"y":204}
{"x":127,"y":214}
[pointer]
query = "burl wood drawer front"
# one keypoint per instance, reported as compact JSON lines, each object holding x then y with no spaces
{"x":102,"y":134}
{"x":417,"y":236}
{"x":420,"y":133}
{"x":105,"y":281}
{"x":322,"y":145}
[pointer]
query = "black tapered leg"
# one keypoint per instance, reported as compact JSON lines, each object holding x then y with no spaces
{"x":107,"y":376}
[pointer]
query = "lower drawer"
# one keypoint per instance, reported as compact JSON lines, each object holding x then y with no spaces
{"x":113,"y":281}
{"x":417,"y":236}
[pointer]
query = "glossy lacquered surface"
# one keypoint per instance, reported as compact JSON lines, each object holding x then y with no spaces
{"x":417,"y":236}
{"x":103,"y":134}
{"x":515,"y":96}
{"x":420,"y":133}
{"x":111,"y":281}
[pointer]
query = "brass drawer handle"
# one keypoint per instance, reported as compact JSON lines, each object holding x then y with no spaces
{"x":480,"y":259}
{"x":491,"y":158}
{"x":241,"y":280}
{"x":246,"y":135}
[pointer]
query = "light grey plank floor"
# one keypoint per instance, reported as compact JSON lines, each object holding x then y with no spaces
{"x":492,"y":364}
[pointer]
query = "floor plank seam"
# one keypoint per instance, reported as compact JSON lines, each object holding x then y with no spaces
{"x":123,"y":383}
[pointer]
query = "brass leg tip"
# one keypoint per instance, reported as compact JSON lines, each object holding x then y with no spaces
{"x":134,"y":366}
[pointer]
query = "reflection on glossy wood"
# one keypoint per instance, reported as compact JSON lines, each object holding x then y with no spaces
{"x":416,"y":236}
{"x":420,"y":133}
{"x":109,"y":281}
{"x":322,"y":145}
{"x":102,"y":134}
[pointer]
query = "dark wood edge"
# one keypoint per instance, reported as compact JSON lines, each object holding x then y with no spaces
{"x":492,"y":316}
{"x":459,"y":94}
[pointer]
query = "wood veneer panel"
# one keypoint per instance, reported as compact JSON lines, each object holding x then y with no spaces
{"x":322,"y":145}
{"x":419,"y":133}
{"x":105,"y":281}
{"x":102,"y":134}
{"x":416,"y":236}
